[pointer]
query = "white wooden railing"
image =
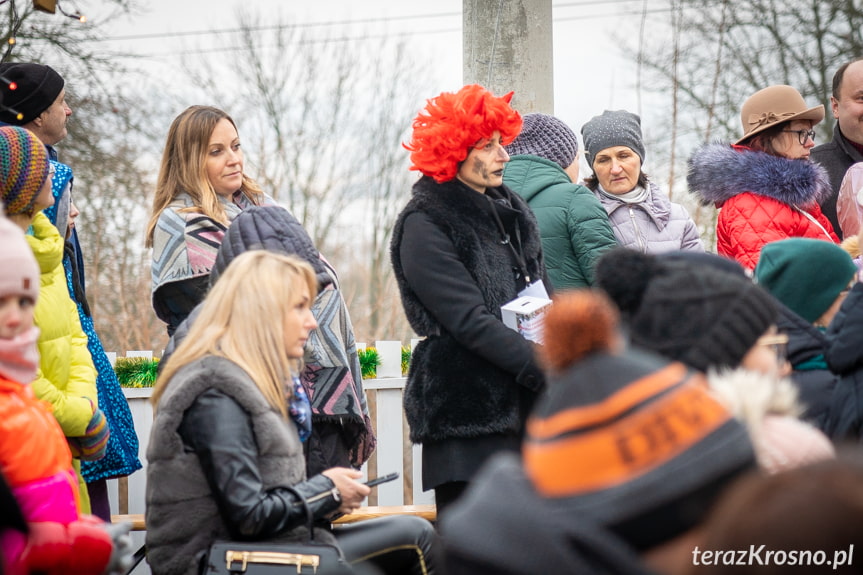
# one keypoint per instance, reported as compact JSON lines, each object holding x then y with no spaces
{"x":394,"y":451}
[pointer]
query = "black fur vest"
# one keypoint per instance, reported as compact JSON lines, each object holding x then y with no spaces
{"x":451,"y":391}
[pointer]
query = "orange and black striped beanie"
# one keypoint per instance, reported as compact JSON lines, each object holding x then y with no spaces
{"x":630,"y":439}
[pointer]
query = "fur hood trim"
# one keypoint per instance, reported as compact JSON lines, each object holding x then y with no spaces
{"x":718,"y":172}
{"x":751,"y":396}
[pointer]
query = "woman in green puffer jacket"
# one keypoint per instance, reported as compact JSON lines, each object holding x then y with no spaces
{"x":573,"y":225}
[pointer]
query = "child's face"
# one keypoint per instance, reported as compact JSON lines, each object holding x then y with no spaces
{"x":73,"y":215}
{"x":16,"y":315}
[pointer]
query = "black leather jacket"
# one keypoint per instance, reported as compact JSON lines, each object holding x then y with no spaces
{"x":219,"y":431}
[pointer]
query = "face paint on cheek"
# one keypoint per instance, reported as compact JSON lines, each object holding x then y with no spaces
{"x":479,"y":168}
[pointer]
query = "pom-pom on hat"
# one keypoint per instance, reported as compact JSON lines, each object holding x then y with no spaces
{"x":690,"y":311}
{"x":452,"y":123}
{"x":805,"y":274}
{"x":23,"y":169}
{"x":36,"y":88}
{"x":579,"y":322}
{"x":610,"y":129}
{"x":635,"y":442}
{"x":547,"y":137}
{"x":19,"y":272}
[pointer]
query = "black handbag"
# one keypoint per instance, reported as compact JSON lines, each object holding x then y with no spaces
{"x":243,"y":557}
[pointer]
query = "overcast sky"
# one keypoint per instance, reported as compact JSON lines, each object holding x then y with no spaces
{"x":590,"y":71}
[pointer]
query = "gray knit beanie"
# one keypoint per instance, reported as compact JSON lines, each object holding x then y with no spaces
{"x":612,"y":128}
{"x":547,"y":137}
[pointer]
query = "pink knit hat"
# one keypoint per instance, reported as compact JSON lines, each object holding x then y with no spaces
{"x":19,"y":272}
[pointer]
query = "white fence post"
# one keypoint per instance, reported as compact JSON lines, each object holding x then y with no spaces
{"x":390,"y":353}
{"x":388,"y":428}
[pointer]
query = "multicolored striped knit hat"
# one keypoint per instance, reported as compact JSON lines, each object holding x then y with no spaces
{"x":23,"y":169}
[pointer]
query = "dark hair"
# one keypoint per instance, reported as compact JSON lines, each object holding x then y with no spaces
{"x":840,"y":75}
{"x":592,"y":183}
{"x":763,"y":141}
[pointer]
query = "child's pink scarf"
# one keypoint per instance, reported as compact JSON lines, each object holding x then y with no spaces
{"x":19,"y":356}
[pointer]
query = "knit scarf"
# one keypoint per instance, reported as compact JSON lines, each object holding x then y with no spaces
{"x":635,"y":196}
{"x":19,"y":356}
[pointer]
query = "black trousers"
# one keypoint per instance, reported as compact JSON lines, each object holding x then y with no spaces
{"x":400,"y":544}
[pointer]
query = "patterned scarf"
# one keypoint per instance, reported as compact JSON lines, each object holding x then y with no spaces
{"x":332,"y":374}
{"x":185,"y":243}
{"x":300,"y":409}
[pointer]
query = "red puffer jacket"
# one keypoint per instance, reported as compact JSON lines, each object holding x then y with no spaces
{"x":748,"y":221}
{"x":763,"y":198}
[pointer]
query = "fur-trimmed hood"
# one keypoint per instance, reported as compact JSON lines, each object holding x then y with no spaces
{"x":751,"y":396}
{"x":718,"y":172}
{"x":769,"y":408}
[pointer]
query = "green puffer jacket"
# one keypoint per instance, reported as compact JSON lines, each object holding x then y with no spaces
{"x":572,"y":223}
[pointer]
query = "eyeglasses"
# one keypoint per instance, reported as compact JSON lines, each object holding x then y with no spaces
{"x":803,"y":135}
{"x":777,"y":341}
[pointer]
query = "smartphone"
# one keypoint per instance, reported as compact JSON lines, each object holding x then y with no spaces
{"x":382,"y":479}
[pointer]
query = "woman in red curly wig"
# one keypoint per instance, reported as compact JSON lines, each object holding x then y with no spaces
{"x":465,"y":245}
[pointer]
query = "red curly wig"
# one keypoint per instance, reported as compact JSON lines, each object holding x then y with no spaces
{"x":451,"y":124}
{"x":580,"y":322}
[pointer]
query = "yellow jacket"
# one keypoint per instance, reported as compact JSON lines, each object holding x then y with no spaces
{"x":66,"y":377}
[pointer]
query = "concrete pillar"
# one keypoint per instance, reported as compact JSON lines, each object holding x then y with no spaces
{"x":508,"y":47}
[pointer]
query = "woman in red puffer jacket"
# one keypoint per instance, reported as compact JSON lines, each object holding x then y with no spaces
{"x":764,"y":184}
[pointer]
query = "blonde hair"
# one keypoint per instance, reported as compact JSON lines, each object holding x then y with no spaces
{"x":184,"y":167}
{"x":242,"y":319}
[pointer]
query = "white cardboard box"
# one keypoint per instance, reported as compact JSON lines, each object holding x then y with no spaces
{"x":524,"y":315}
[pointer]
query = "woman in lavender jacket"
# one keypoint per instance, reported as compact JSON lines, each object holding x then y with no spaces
{"x":641,"y":216}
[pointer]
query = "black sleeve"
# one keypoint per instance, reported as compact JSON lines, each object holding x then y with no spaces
{"x":845,"y":333}
{"x":220,"y":433}
{"x":174,"y":301}
{"x":445,"y":287}
{"x":843,"y":355}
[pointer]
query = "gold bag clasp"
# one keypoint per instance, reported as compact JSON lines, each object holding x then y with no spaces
{"x":271,"y":557}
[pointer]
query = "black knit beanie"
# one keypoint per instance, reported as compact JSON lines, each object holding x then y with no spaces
{"x":547,"y":137}
{"x":36,"y":88}
{"x":698,"y":314}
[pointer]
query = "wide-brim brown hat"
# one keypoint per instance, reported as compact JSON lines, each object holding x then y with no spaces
{"x":775,"y":105}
